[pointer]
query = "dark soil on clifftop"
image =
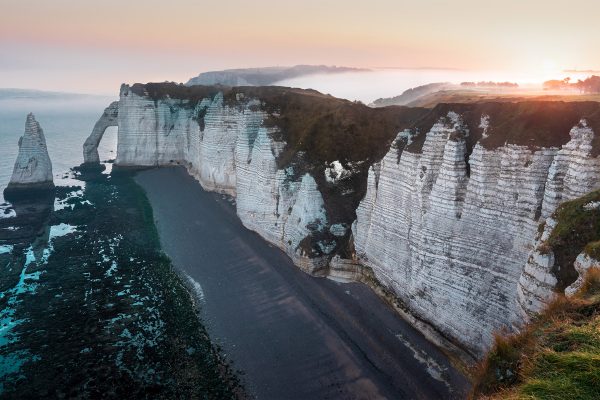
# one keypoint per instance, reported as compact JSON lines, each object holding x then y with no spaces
{"x":319,"y":129}
{"x":533,"y":123}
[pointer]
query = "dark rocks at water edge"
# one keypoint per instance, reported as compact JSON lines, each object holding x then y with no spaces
{"x":91,"y":307}
{"x":441,"y":205}
{"x":32,"y":172}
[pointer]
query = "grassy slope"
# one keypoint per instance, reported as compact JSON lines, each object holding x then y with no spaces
{"x":557,"y":356}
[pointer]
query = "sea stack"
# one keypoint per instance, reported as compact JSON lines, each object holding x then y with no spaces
{"x":33,"y":168}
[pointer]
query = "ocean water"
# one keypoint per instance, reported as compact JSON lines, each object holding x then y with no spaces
{"x":84,"y":286}
{"x":66,"y":120}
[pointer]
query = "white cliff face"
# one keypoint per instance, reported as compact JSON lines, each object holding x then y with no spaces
{"x":582,"y":264}
{"x":573,"y":171}
{"x":452,"y":245}
{"x":90,"y":147}
{"x":229,"y":149}
{"x":451,"y":234}
{"x":33,"y":168}
{"x":572,"y":174}
{"x":536,"y":283}
{"x":152,"y":132}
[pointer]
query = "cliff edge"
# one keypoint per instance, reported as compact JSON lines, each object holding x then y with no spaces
{"x":437,"y":210}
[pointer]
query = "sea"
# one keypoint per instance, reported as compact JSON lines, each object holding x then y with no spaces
{"x":67,"y":120}
{"x":90,"y":306}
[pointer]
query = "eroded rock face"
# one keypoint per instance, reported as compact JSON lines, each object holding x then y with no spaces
{"x":582,"y":264}
{"x":33,"y":168}
{"x":573,"y":173}
{"x":452,"y":242}
{"x":229,"y":150}
{"x":90,"y":147}
{"x":450,"y":215}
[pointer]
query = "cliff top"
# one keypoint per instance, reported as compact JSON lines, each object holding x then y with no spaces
{"x":319,"y":129}
{"x":328,"y":128}
{"x":530,"y":123}
{"x":338,"y":129}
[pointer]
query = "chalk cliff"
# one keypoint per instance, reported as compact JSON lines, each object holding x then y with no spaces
{"x":568,"y":240}
{"x":449,"y":229}
{"x":33,"y":169}
{"x":441,"y":206}
{"x":90,"y":147}
{"x":240,"y":142}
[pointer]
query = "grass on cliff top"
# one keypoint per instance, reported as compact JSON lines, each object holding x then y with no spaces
{"x":532,"y":123}
{"x":557,"y":356}
{"x":317,"y":129}
{"x":577,"y":229}
{"x":430,"y":100}
{"x":325,"y":127}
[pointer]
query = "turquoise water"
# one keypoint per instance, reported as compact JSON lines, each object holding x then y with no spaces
{"x":89,"y":305}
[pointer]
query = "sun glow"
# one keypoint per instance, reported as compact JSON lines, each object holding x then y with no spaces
{"x":550,"y":70}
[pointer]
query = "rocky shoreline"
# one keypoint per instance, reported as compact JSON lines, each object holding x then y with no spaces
{"x":91,"y":307}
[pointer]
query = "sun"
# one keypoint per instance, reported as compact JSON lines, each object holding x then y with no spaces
{"x":550,"y":69}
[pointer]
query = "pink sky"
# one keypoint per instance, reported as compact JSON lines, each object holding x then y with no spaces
{"x":89,"y":46}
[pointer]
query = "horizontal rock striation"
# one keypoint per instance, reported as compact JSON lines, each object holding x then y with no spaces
{"x":33,"y":168}
{"x":438,"y":209}
{"x":240,"y":142}
{"x":450,"y":216}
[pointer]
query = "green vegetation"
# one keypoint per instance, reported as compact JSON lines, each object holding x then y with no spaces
{"x":577,"y":229}
{"x":593,"y":249}
{"x":557,"y":356}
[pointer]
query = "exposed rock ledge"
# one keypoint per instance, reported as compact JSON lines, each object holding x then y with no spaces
{"x":450,"y":231}
{"x":446,"y":219}
{"x":33,"y":168}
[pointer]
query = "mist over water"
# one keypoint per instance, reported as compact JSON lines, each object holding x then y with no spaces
{"x":67,"y":119}
{"x":370,"y":85}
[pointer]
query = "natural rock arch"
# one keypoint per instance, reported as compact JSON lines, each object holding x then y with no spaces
{"x":90,"y":147}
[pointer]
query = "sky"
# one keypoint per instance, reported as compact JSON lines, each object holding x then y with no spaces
{"x":92,"y":47}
